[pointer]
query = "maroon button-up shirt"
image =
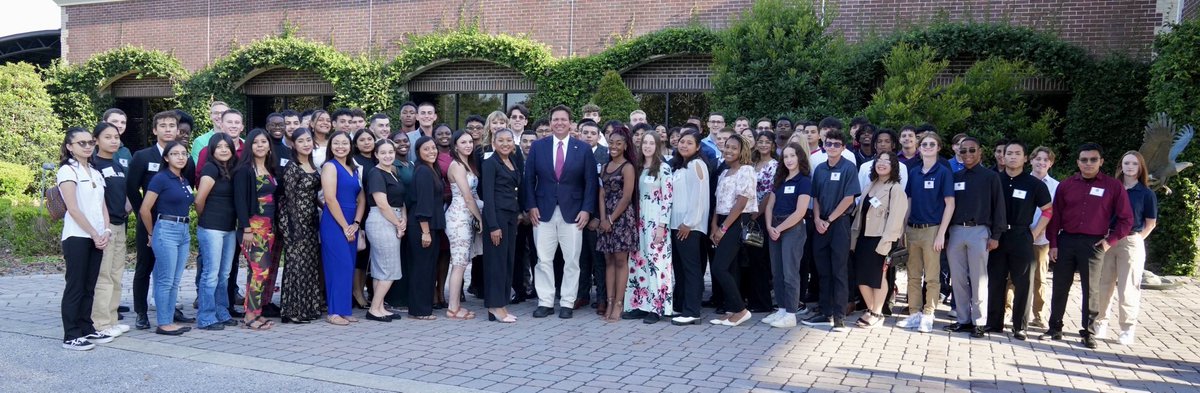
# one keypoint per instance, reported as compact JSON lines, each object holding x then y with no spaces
{"x":1096,"y":207}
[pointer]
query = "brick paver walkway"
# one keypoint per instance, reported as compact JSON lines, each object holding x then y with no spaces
{"x":587,"y":355}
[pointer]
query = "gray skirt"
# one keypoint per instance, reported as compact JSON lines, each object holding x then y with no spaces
{"x":385,"y":247}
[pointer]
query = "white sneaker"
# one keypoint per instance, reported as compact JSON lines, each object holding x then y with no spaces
{"x":1101,"y":331}
{"x":774,"y":316}
{"x":113,"y":332}
{"x":79,"y":344}
{"x":926,"y":324}
{"x":787,"y":320}
{"x":122,"y":328}
{"x":1126,"y":337}
{"x":911,"y":322}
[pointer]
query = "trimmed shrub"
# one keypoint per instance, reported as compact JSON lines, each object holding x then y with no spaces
{"x":29,"y":229}
{"x":15,"y":179}
{"x":613,"y":97}
{"x":31,"y":132}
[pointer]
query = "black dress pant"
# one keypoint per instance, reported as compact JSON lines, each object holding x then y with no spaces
{"x":424,"y":270}
{"x":724,"y":263}
{"x":498,"y":261}
{"x":755,"y":280}
{"x":1076,"y":253}
{"x":810,"y":281}
{"x":522,"y":268}
{"x":832,"y":258}
{"x":689,"y":272}
{"x":591,"y":268}
{"x":145,"y":265}
{"x":83,"y":268}
{"x":1012,"y":260}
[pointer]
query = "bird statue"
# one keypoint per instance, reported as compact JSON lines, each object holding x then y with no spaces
{"x":1161,"y":146}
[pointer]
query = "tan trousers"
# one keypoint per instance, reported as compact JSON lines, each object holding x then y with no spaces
{"x":1041,"y":283}
{"x":923,"y":260}
{"x":1122,"y":275}
{"x":108,"y":285}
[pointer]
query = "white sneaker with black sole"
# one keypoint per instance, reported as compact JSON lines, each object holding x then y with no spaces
{"x":99,"y":338}
{"x":113,"y":332}
{"x":79,"y":344}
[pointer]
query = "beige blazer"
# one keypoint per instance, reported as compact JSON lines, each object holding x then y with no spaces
{"x":886,"y":220}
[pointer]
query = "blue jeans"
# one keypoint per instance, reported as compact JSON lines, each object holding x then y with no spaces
{"x":216,"y":258}
{"x":171,"y":242}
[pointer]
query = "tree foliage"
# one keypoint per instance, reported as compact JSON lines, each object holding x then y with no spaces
{"x":613,"y":97}
{"x":31,"y":131}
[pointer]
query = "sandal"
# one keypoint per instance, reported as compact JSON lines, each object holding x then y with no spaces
{"x":337,"y":320}
{"x":469,"y":314}
{"x":453,"y":314}
{"x":862,"y":321}
{"x":424,"y":318}
{"x":351,"y":318}
{"x":259,"y":323}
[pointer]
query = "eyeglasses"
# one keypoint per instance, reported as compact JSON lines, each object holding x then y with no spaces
{"x":970,"y":150}
{"x":521,"y":117}
{"x":87,"y":143}
{"x":177,"y":154}
{"x":474,"y":127}
{"x":1089,"y":160}
{"x":929,"y":144}
{"x":833,"y":145}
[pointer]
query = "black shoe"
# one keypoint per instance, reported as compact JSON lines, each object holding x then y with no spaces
{"x":122,"y":308}
{"x":215,"y":326}
{"x":236,"y":314}
{"x":120,"y":317}
{"x":142,"y":323}
{"x":1055,"y":335}
{"x":294,"y":321}
{"x":196,"y":304}
{"x":516,"y":299}
{"x":271,"y":311}
{"x":959,"y":327}
{"x":1090,"y":342}
{"x":176,"y":332}
{"x":817,"y":320}
{"x":542,"y":312}
{"x":565,"y":313}
{"x":994,"y":329}
{"x":761,"y":310}
{"x":180,"y":318}
{"x":373,"y":317}
{"x":633,"y":314}
{"x":440,"y":306}
{"x":720,"y":310}
{"x":651,"y":318}
{"x":839,"y":324}
{"x":979,"y":332}
{"x":230,"y":322}
{"x":1020,"y":335}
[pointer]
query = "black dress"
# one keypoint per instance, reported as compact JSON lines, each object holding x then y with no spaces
{"x":301,"y":297}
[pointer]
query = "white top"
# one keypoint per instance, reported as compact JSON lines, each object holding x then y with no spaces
{"x":89,"y":196}
{"x":690,"y":204}
{"x":1052,"y":185}
{"x":318,"y":156}
{"x":733,"y":185}
{"x":820,"y":156}
{"x":864,"y":178}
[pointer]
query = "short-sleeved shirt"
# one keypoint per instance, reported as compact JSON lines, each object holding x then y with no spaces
{"x":831,"y":184}
{"x":218,"y":208}
{"x":114,"y":192}
{"x":89,"y":197}
{"x":928,"y":191}
{"x":787,"y":193}
{"x":175,"y":195}
{"x":389,"y":183}
{"x":1052,"y":186}
{"x":736,"y":184}
{"x":1023,"y":195}
{"x":1144,"y":204}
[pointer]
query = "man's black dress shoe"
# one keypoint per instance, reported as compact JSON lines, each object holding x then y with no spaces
{"x":1020,"y":335}
{"x":651,"y":318}
{"x":176,"y":332}
{"x":633,"y":314}
{"x":516,"y":299}
{"x":1090,"y":342}
{"x":542,"y":312}
{"x":958,"y":327}
{"x":565,"y":313}
{"x":1055,"y":335}
{"x":143,"y":322}
{"x":979,"y":332}
{"x":235,"y":313}
{"x":180,"y":318}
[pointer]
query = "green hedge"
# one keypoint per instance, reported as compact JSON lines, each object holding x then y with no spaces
{"x":29,"y":131}
{"x":29,"y":229}
{"x":1108,"y":107}
{"x":76,"y":89}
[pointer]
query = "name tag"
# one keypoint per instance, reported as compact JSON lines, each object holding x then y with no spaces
{"x":1019,"y":194}
{"x":284,"y":161}
{"x":789,"y":190}
{"x":835,"y":176}
{"x":875,"y":202}
{"x":108,"y":172}
{"x":152,"y":167}
{"x":124,"y":162}
{"x":929,"y":184}
{"x":1097,"y":191}
{"x":648,"y":179}
{"x":599,"y":167}
{"x":960,"y":186}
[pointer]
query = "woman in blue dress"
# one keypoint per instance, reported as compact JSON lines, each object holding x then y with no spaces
{"x":340,"y":223}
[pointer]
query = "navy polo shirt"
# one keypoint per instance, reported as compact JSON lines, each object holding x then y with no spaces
{"x":928,"y":192}
{"x":1144,"y":204}
{"x":786,"y":194}
{"x":174,"y":194}
{"x":831,"y":184}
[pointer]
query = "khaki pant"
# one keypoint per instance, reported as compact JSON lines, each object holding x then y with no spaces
{"x":108,"y":285}
{"x":923,"y":260}
{"x":1122,"y":275}
{"x":1041,"y":293}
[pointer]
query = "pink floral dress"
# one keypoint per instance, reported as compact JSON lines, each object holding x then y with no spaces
{"x":650,"y":276}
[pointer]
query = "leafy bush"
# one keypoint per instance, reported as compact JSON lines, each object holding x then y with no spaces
{"x":613,"y":97}
{"x":1108,"y":107}
{"x":778,"y":58}
{"x":15,"y":179}
{"x":75,"y":88}
{"x":1175,"y":89}
{"x":909,"y":95}
{"x":30,"y":131}
{"x":29,"y":229}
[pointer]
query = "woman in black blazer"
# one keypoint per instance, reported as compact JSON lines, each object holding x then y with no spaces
{"x":501,"y":177}
{"x":427,"y":220}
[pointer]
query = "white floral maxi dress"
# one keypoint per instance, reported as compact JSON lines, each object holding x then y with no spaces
{"x":651,"y":279}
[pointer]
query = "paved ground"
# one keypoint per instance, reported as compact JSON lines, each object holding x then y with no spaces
{"x":585,"y":354}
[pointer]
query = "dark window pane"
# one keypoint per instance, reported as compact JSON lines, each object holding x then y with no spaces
{"x":655,"y":106}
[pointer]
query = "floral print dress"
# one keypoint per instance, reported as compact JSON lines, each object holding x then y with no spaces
{"x":301,"y":297}
{"x":650,"y":276}
{"x":465,"y":242}
{"x":623,"y":236}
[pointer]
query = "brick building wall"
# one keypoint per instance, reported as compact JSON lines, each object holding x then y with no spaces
{"x":197,"y":31}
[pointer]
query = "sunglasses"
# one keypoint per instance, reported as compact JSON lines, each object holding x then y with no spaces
{"x":87,"y":143}
{"x":970,"y":150}
{"x":833,"y":145}
{"x":1089,"y":160}
{"x":929,"y":144}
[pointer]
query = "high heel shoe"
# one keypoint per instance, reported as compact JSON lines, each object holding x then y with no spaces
{"x":507,"y":318}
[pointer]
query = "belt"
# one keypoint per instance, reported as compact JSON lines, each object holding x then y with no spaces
{"x":921,"y":226}
{"x":178,"y":219}
{"x":969,"y":223}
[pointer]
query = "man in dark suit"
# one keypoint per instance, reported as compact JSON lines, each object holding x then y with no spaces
{"x":591,"y":262}
{"x":147,"y":163}
{"x":561,"y":189}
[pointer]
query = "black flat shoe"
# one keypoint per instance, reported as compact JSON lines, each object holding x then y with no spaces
{"x":959,"y":327}
{"x":180,"y":318}
{"x":236,"y":314}
{"x":122,"y":308}
{"x":373,"y":317}
{"x":979,"y":332}
{"x":1055,"y":335}
{"x":1090,"y":342}
{"x":176,"y":332}
{"x":230,"y":322}
{"x":542,"y":312}
{"x":651,"y":318}
{"x":295,"y":321}
{"x":565,"y":313}
{"x":213,"y":327}
{"x":142,"y":323}
{"x":516,"y":299}
{"x":633,"y":314}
